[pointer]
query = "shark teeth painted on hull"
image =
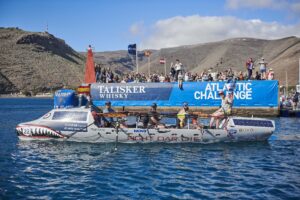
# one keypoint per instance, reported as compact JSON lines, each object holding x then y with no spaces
{"x":37,"y":131}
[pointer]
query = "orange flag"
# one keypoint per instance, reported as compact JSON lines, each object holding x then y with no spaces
{"x":90,"y":76}
{"x":147,"y":53}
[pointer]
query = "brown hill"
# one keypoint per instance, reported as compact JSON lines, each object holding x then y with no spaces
{"x":37,"y":62}
{"x":282,"y":55}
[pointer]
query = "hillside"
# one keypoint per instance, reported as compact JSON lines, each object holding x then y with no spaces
{"x":282,"y":55}
{"x":37,"y":62}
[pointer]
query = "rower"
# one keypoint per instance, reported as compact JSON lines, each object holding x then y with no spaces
{"x":181,"y":116}
{"x":95,"y":113}
{"x":108,"y":109}
{"x":195,"y":124}
{"x":151,"y":119}
{"x":224,"y":111}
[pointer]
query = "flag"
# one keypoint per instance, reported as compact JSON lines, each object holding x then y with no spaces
{"x":162,"y":61}
{"x":89,"y":76}
{"x":132,"y":49}
{"x":147,"y":53}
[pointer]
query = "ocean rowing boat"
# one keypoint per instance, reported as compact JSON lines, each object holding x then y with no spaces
{"x":78,"y":124}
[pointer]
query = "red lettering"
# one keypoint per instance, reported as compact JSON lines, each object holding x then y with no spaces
{"x":139,"y":138}
{"x":131,"y":138}
{"x":197,"y":139}
{"x":185,"y":139}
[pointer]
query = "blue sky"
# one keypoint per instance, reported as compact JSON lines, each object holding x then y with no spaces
{"x":112,"y":24}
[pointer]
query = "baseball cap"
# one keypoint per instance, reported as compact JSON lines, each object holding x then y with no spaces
{"x":185,"y":104}
{"x":154,"y":105}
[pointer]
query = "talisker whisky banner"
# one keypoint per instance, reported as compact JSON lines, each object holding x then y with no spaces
{"x":246,"y":94}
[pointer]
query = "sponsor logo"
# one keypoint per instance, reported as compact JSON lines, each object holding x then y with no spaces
{"x":243,"y":91}
{"x":133,"y":91}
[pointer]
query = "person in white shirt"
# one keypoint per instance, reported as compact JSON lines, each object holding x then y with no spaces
{"x":263,"y":68}
{"x":186,"y":77}
{"x":178,"y":68}
{"x":161,"y":78}
{"x":225,"y":110}
{"x":270,"y":75}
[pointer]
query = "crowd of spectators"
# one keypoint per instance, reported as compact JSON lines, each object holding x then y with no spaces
{"x":177,"y":72}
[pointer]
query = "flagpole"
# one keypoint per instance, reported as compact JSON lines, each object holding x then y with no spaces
{"x":165,"y":67}
{"x":286,"y":84}
{"x":149,"y":65}
{"x":136,"y":59}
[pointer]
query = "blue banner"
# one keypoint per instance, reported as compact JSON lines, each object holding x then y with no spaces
{"x":65,"y":98}
{"x":204,"y":94}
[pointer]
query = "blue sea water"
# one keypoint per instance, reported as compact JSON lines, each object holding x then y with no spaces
{"x":67,"y":170}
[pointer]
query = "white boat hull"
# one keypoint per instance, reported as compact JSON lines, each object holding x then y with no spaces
{"x":236,"y":129}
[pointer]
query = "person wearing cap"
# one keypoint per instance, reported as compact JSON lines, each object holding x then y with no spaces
{"x":263,"y":68}
{"x":151,"y":119}
{"x":225,"y":109}
{"x":182,"y":115}
{"x":108,"y":109}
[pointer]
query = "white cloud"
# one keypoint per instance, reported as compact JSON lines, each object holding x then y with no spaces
{"x":195,"y":29}
{"x":235,"y":4}
{"x":296,"y":8}
{"x":137,"y":28}
{"x":291,"y":7}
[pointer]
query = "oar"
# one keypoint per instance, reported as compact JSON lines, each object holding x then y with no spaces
{"x":171,"y":115}
{"x":117,"y":134}
{"x":201,"y":114}
{"x":114,"y":114}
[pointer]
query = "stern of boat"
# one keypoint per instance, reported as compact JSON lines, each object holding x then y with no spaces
{"x":250,"y":129}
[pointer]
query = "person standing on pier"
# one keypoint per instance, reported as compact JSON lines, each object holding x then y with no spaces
{"x":178,"y":68}
{"x":263,"y":68}
{"x":249,"y":67}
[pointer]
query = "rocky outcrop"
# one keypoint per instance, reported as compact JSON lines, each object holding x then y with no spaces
{"x":37,"y":62}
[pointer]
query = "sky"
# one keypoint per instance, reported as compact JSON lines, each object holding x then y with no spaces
{"x":110,"y":25}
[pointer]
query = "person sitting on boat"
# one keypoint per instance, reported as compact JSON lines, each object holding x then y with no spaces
{"x":108,"y":122}
{"x":152,"y":118}
{"x":95,"y":112}
{"x":182,"y":116}
{"x":225,"y":109}
{"x":195,"y":124}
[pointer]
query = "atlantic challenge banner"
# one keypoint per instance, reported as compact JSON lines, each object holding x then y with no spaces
{"x":246,"y":94}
